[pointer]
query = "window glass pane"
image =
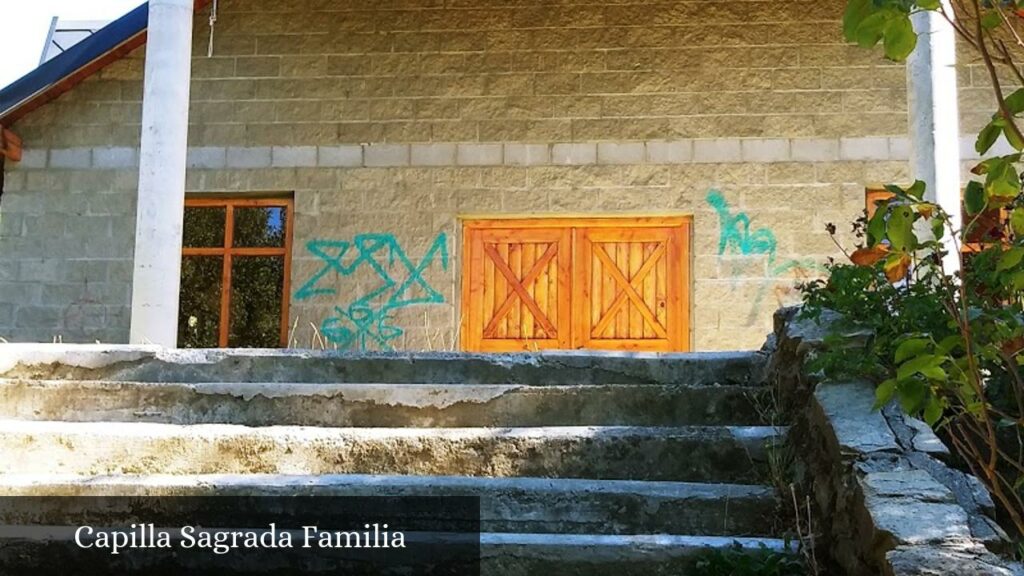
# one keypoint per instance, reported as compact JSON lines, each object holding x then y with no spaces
{"x":260,"y":226}
{"x":199,"y":311}
{"x":257,"y":285}
{"x":204,"y":227}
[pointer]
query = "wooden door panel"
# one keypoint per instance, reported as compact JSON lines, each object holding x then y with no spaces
{"x":614,"y":284}
{"x":630,"y":293}
{"x":518,"y":289}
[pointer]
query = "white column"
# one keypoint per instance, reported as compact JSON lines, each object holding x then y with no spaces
{"x":934,"y":116}
{"x":161,"y":200}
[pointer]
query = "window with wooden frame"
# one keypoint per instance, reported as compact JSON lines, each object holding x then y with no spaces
{"x":235,"y":268}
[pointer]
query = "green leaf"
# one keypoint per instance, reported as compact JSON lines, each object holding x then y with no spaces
{"x":974,"y":198}
{"x":986,"y":166}
{"x":916,"y":191}
{"x":856,"y":11}
{"x":876,"y":226}
{"x":948,"y":344}
{"x":1013,"y":138}
{"x":933,"y":411}
{"x":934,"y":373}
{"x":911,"y":347}
{"x":987,"y":137}
{"x":1015,"y":101}
{"x":1003,"y":182}
{"x":938,"y":228}
{"x":929,"y":4}
{"x":912,"y":395}
{"x":900,"y":38}
{"x":900,"y":229}
{"x":991,"y":19}
{"x":1004,"y":191}
{"x":1017,"y":283}
{"x":1017,"y":222}
{"x":884,"y":393}
{"x":872,"y":28}
{"x":916,"y":364}
{"x":1010,"y":258}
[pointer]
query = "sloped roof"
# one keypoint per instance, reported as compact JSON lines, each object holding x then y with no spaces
{"x":66,"y":70}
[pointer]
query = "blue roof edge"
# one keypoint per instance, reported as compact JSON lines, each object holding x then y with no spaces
{"x":51,"y":73}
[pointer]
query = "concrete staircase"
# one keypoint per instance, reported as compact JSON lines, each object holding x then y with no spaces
{"x":584,"y":464}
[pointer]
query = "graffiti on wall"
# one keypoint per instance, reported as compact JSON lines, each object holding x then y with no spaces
{"x":737,"y":236}
{"x":366,"y":322}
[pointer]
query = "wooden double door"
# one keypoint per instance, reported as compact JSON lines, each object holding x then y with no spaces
{"x":570,"y":283}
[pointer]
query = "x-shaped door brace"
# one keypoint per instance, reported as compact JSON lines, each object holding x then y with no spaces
{"x":628,"y":291}
{"x":519,"y":290}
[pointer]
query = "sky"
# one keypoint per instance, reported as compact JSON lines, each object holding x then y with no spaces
{"x":24,"y":25}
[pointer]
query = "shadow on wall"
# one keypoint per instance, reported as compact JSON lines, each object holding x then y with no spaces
{"x":736,"y":238}
{"x":367,"y":321}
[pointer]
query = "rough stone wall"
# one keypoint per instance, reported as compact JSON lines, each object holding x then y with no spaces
{"x":887,"y":498}
{"x":397,"y":119}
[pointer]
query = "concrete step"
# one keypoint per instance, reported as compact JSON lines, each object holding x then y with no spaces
{"x":600,"y":555}
{"x":50,"y":551}
{"x":693,"y":453}
{"x":154,"y":364}
{"x":543,"y":505}
{"x":385,"y":405}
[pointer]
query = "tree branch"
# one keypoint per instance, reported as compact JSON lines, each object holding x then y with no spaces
{"x":993,"y":75}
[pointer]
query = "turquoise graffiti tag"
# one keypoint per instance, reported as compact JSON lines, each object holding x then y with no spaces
{"x":367,"y":322}
{"x":737,"y":236}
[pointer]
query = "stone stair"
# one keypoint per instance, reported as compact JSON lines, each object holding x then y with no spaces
{"x":585,"y":464}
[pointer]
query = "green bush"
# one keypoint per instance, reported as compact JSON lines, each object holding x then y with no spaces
{"x":947,"y":344}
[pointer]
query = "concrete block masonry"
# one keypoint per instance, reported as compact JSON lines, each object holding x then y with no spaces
{"x":577,"y":111}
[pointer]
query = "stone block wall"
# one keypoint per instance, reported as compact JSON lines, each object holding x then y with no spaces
{"x":398,"y":118}
{"x":66,"y":244}
{"x":886,"y":496}
{"x":309,"y":72}
{"x":420,"y":205}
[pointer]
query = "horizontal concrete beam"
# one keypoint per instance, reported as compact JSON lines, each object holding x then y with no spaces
{"x":440,"y":154}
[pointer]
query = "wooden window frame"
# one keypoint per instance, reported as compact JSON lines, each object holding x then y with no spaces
{"x":683,"y":301}
{"x":228,"y":251}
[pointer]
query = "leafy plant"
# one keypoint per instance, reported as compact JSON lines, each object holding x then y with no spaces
{"x":946,"y":342}
{"x":948,"y":346}
{"x":737,"y":561}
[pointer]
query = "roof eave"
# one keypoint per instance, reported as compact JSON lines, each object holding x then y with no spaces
{"x":67,"y":70}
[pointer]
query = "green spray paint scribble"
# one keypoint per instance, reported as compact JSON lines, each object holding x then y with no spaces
{"x":367,"y":322}
{"x":736,"y":238}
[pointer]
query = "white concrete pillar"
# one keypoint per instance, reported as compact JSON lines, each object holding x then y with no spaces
{"x":935,"y":116}
{"x":161,"y":200}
